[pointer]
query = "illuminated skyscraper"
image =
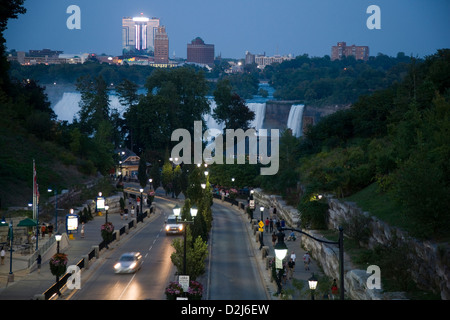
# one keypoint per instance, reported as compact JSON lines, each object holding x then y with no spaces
{"x":138,"y":34}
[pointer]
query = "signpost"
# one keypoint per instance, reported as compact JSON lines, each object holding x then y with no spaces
{"x":71,"y":223}
{"x":261,"y":226}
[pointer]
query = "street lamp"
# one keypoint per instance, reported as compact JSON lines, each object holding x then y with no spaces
{"x":106,"y":213}
{"x":142,"y":200}
{"x":176,"y":211}
{"x":312,"y":285}
{"x":262,"y":212}
{"x":280,"y":252}
{"x":58,"y":239}
{"x":340,"y":244}
{"x":3,"y":223}
{"x":56,"y":206}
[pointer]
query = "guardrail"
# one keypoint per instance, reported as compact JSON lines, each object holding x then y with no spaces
{"x":53,"y":290}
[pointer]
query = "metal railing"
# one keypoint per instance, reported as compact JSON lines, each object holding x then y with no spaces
{"x":53,"y":290}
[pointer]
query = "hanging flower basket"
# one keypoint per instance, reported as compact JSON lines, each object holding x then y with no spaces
{"x":195,"y":290}
{"x":107,"y":230}
{"x":173,"y":290}
{"x":58,"y":264}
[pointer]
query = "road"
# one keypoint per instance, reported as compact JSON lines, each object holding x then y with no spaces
{"x":146,"y":284}
{"x":233,"y":274}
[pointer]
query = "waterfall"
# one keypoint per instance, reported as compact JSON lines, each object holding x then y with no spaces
{"x":295,"y":119}
{"x":260,"y":113}
{"x":68,"y":106}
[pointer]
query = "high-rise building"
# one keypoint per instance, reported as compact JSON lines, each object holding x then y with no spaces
{"x":342,"y":50}
{"x":138,"y":34}
{"x":199,"y":52}
{"x":161,"y":45}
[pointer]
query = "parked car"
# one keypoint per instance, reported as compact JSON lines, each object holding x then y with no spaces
{"x":128,"y":263}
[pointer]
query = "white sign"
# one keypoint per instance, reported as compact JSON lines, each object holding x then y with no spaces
{"x":252,"y":204}
{"x":184,"y":282}
{"x":72,"y":222}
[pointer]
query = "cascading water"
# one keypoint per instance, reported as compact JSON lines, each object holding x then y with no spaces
{"x":68,"y":106}
{"x":260,"y":113}
{"x":295,"y":119}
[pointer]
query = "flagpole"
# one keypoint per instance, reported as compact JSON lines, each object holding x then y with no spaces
{"x":34,"y":191}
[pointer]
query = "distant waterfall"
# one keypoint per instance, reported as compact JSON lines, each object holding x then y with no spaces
{"x":260,"y":113}
{"x":68,"y":106}
{"x":258,"y":108}
{"x":295,"y":119}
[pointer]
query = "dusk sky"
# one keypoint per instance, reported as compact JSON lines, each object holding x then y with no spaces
{"x":415,"y":27}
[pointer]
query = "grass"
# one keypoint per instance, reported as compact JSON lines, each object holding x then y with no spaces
{"x":380,"y":205}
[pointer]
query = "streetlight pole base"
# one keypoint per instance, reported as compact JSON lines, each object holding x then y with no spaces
{"x":10,"y":277}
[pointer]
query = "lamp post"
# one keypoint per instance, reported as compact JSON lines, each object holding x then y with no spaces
{"x":262,"y":212}
{"x":56,"y":206}
{"x":58,"y":239}
{"x":106,"y":213}
{"x":340,"y":244}
{"x":176,"y":212}
{"x":312,"y":282}
{"x":142,"y":200}
{"x":3,"y":223}
{"x":280,"y":252}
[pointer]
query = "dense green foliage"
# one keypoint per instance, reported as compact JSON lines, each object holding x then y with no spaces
{"x":320,"y":81}
{"x":397,"y":137}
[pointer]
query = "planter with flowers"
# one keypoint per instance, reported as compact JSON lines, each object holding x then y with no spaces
{"x":58,"y":264}
{"x":173,"y":290}
{"x":107,"y":230}
{"x":195,"y":290}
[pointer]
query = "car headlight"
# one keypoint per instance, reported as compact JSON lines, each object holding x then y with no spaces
{"x":117,"y":265}
{"x":133,"y":265}
{"x":167,"y":228}
{"x":180,"y":227}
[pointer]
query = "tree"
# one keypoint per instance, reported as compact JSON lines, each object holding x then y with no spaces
{"x":142,"y":172}
{"x":167,"y":177}
{"x":231,"y":108}
{"x":196,"y":253}
{"x":94,"y":104}
{"x":10,"y":9}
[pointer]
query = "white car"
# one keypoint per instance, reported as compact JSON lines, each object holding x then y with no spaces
{"x":172,"y":226}
{"x":128,"y":263}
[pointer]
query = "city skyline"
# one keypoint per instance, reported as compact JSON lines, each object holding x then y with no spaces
{"x":284,"y":27}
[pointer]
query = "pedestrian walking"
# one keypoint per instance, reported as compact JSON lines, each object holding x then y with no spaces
{"x":291,"y":265}
{"x":293,"y":256}
{"x":132,"y":211}
{"x":306,"y":260}
{"x":3,"y":255}
{"x":334,"y":289}
{"x":274,"y":238}
{"x":283,"y":223}
{"x":267,"y":222}
{"x":39,"y":261}
{"x":82,"y":230}
{"x":125,"y":213}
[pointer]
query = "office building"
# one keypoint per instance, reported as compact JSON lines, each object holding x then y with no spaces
{"x":138,"y":35}
{"x":342,"y":50}
{"x":161,"y":45}
{"x":262,"y":60}
{"x":199,"y":52}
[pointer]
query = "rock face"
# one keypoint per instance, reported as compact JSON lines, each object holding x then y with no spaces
{"x":430,"y":267}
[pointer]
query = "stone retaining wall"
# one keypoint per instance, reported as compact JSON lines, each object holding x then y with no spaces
{"x":430,"y":269}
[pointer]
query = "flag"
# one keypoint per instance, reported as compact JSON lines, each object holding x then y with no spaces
{"x":35,"y":191}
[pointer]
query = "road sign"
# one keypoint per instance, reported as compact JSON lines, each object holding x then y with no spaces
{"x":252,"y":204}
{"x":261,"y":229}
{"x":184,"y":282}
{"x":261,"y":224}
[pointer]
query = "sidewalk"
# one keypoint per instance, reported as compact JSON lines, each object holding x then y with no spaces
{"x":30,"y":282}
{"x":293,"y":246}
